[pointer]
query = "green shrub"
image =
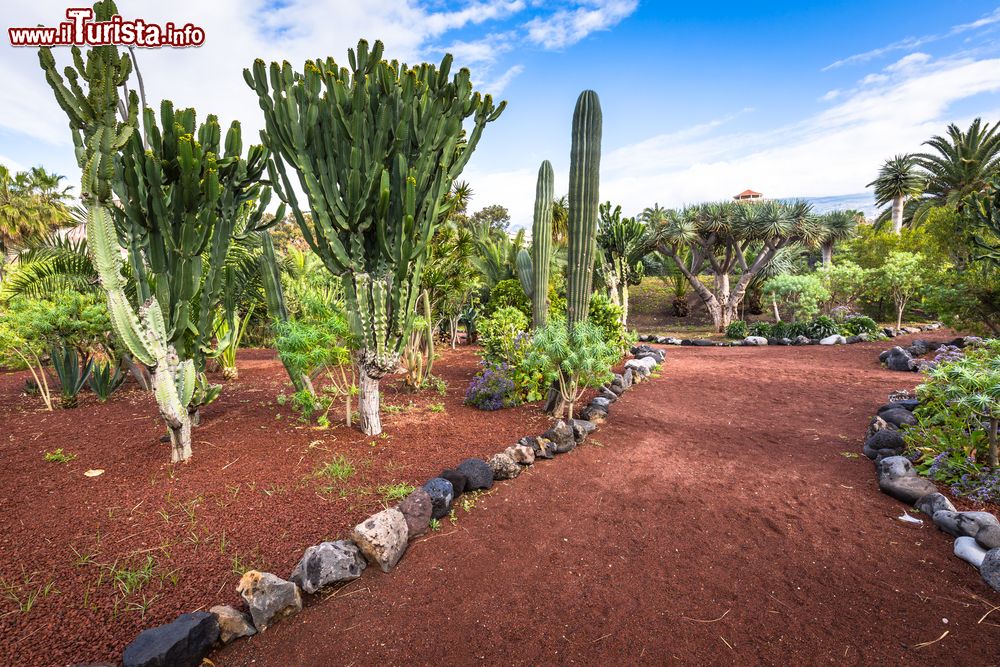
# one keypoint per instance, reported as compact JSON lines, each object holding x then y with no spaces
{"x":822,"y":327}
{"x":855,"y":325}
{"x":508,"y":294}
{"x":607,"y":317}
{"x":737,"y":330}
{"x":762,"y":329}
{"x":580,"y":357}
{"x":955,"y":435}
{"x":803,"y":293}
{"x":501,"y":334}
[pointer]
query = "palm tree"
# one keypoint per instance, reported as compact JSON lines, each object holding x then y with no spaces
{"x":836,"y":226}
{"x":460,"y":196}
{"x":31,"y":205}
{"x":560,"y":221}
{"x":962,"y":165}
{"x":898,"y":180}
{"x":654,"y":215}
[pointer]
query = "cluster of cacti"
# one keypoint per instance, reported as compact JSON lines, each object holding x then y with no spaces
{"x":584,"y":197}
{"x":376,"y":147}
{"x":533,"y":268}
{"x":623,"y":242}
{"x":181,"y":204}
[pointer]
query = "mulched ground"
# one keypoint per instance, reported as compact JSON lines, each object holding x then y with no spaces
{"x":714,"y":520}
{"x":99,"y":559}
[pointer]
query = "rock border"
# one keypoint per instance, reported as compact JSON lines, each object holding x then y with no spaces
{"x":977,"y":533}
{"x":760,"y":341}
{"x":381,"y":539}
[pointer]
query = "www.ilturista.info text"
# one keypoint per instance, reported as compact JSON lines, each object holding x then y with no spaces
{"x":82,"y":30}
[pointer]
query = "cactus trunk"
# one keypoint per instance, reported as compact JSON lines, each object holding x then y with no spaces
{"x":541,"y":243}
{"x":584,"y":199}
{"x":369,"y":415}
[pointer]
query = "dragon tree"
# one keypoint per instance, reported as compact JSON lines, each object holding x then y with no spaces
{"x":375,"y":147}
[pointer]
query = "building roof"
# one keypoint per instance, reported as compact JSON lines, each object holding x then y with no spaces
{"x":749,"y":193}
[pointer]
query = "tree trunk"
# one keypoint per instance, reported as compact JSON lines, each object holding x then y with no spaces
{"x":370,"y":421}
{"x":827,"y":249}
{"x":774,"y":303}
{"x":625,"y":304}
{"x":180,"y":440}
{"x":897,"y":214}
{"x":555,"y":404}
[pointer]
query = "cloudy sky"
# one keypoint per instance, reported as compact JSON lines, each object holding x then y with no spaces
{"x":701,"y":100}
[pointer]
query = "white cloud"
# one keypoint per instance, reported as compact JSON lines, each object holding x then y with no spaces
{"x":915,"y":42}
{"x":908,"y":62}
{"x":497,"y":86}
{"x":830,"y":95}
{"x":566,"y":27}
{"x":835,"y":151}
{"x":874,"y":78}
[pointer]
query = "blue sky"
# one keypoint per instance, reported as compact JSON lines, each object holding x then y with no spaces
{"x":700,"y":99}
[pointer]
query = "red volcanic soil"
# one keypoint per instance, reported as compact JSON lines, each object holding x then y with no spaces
{"x":249,"y":498}
{"x":715,"y":519}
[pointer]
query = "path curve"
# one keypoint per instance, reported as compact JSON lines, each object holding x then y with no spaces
{"x":713,"y":520}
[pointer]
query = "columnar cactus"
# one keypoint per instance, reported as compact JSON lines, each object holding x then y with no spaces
{"x":584,"y":198}
{"x":533,"y":267}
{"x":376,"y":147}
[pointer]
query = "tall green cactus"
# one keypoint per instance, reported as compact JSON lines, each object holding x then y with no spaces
{"x":541,"y":242}
{"x":180,"y":200}
{"x":533,"y":268}
{"x":376,"y":147}
{"x":584,"y":199}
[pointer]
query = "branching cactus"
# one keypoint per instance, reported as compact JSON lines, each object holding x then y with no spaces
{"x":182,"y":201}
{"x":375,"y":148}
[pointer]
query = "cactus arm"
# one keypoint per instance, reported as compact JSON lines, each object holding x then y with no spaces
{"x":541,"y":242}
{"x":584,"y":199}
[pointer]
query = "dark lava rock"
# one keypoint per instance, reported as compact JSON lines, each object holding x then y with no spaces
{"x":458,"y":481}
{"x":561,"y":435}
{"x":417,"y":510}
{"x":477,"y":472}
{"x":990,"y":569}
{"x":899,"y":417}
{"x":966,"y":524}
{"x":182,"y":643}
{"x":333,"y":562}
{"x":442,"y":493}
{"x":886,"y":442}
{"x":899,"y":359}
{"x":582,"y":428}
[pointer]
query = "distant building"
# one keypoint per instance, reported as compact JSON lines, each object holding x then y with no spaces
{"x":748,"y":195}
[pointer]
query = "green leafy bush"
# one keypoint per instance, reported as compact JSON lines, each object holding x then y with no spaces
{"x":607,"y":317}
{"x":956,"y":434}
{"x":501,"y":334}
{"x":803,"y":293}
{"x":508,"y":294}
{"x":737,"y":330}
{"x":822,"y":327}
{"x":581,"y":357}
{"x":855,"y":325}
{"x":762,"y":329}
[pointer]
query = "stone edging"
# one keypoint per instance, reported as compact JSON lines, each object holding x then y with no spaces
{"x":760,"y":341}
{"x":977,"y":533}
{"x":381,"y":539}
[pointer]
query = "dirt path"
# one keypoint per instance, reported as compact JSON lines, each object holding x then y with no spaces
{"x":713,"y":521}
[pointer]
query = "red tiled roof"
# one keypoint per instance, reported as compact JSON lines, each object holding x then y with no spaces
{"x":748,"y":193}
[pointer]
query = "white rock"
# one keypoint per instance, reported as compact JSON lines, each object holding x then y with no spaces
{"x":755,"y":340}
{"x":643,"y":366}
{"x":969,"y":550}
{"x":834,"y":340}
{"x":382,"y":538}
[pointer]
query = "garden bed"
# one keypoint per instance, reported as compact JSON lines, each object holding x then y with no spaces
{"x":98,"y":559}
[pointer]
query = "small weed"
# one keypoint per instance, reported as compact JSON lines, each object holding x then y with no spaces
{"x":59,"y":456}
{"x":391,"y":492}
{"x":282,"y":399}
{"x":337,"y":470}
{"x":439,"y":385}
{"x":240,"y":566}
{"x":396,"y":409}
{"x":849,"y":455}
{"x":436,"y":407}
{"x":453,"y":517}
{"x":81,"y":559}
{"x":435,"y":525}
{"x":26,"y":595}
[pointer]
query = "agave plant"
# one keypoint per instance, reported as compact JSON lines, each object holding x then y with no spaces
{"x":107,"y":377}
{"x":72,"y":373}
